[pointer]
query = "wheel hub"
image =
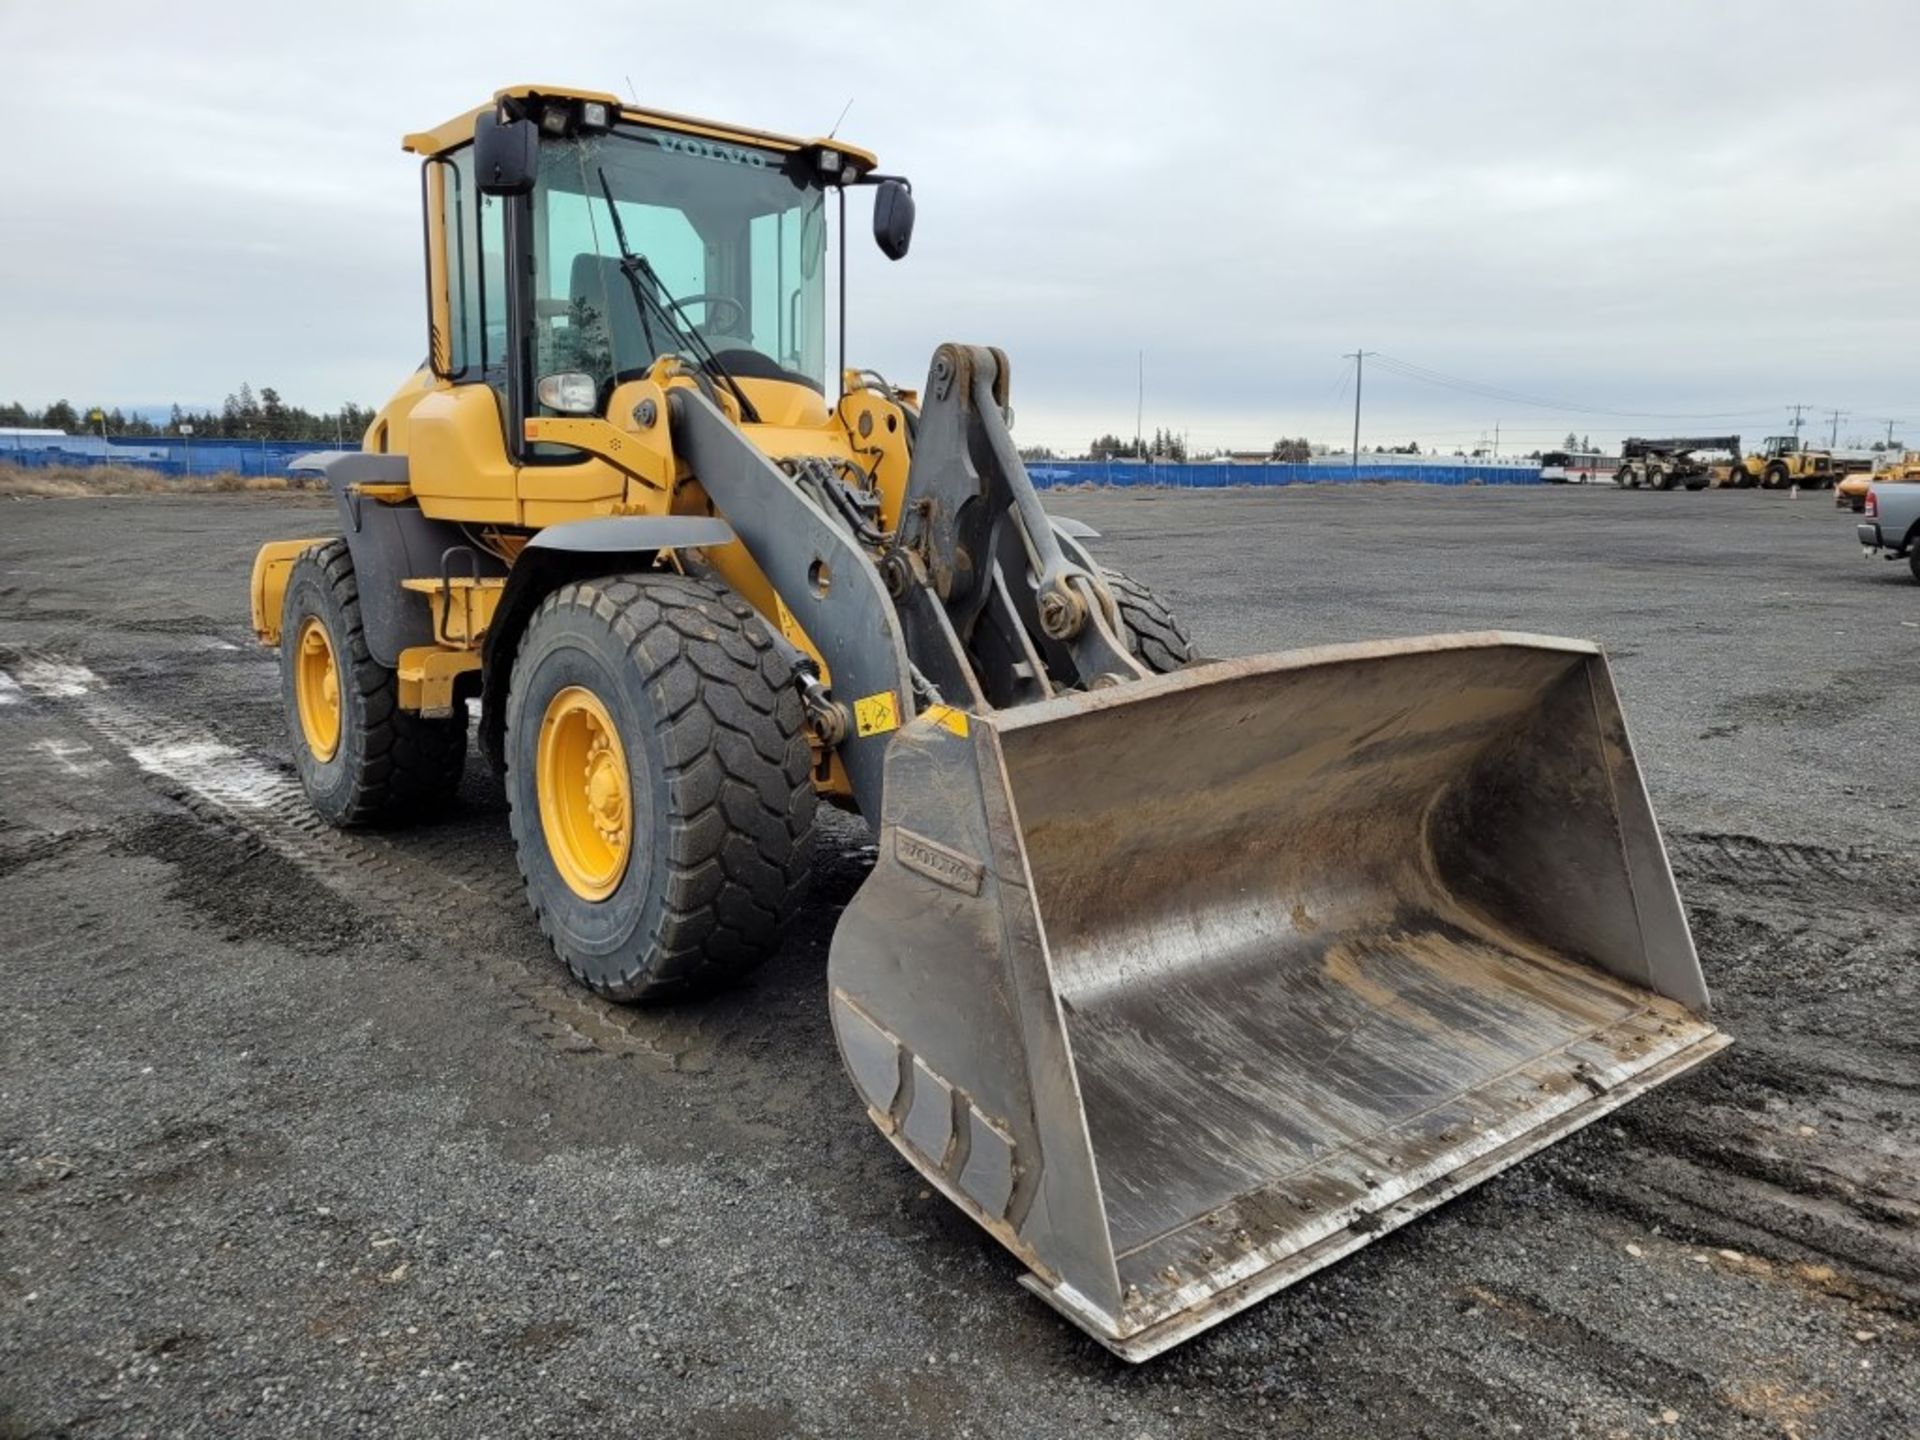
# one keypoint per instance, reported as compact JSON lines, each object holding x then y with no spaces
{"x":585,"y":796}
{"x":316,"y":689}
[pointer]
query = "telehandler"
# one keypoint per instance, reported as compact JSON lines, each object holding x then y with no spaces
{"x":1183,"y":980}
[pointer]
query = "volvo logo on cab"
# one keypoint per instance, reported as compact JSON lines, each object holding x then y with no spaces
{"x":712,"y":150}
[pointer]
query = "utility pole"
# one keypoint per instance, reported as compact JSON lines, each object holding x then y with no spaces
{"x":1359,"y":358}
{"x":1139,"y":409}
{"x":1833,"y":439}
{"x":1889,"y":434}
{"x":1796,"y":425}
{"x":1496,"y":439}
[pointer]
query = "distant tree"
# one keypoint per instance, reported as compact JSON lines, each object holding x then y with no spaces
{"x":266,"y":417}
{"x":1112,"y":447}
{"x":273,"y":413}
{"x":1572,"y":442}
{"x":1290,"y":451}
{"x":1167,"y":446}
{"x":1586,"y":443}
{"x":1037,"y":452}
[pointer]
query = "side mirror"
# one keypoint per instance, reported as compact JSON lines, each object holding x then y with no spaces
{"x":506,"y":155}
{"x":893,"y":218}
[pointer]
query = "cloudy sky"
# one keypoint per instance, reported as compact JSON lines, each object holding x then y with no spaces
{"x":1609,"y":206}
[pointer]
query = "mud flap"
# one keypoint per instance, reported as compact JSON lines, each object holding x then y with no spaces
{"x":1186,"y":988}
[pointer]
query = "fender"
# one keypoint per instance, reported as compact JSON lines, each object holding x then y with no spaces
{"x":390,"y":542}
{"x":559,"y":554}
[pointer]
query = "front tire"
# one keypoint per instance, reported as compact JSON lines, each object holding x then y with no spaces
{"x":1154,"y":636}
{"x":362,"y":759}
{"x":659,"y":783}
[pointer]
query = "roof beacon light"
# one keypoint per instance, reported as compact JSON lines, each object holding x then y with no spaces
{"x":593,"y":115}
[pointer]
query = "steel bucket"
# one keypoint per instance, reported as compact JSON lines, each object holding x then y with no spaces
{"x":1186,"y":988}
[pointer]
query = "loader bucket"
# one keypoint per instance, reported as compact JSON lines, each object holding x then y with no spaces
{"x":1188,"y":987}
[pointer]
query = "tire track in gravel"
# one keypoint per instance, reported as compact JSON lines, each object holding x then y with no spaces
{"x":1791,"y":1145}
{"x":426,"y":890}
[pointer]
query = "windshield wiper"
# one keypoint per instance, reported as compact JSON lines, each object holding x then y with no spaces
{"x":647,"y":288}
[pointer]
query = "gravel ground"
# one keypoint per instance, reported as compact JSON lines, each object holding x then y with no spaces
{"x":304,"y":1133}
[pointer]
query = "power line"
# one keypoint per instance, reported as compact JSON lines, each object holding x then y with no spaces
{"x":1412,"y":371}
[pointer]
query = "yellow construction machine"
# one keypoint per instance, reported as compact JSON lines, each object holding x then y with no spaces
{"x":1851,"y":491}
{"x":1783,"y":462}
{"x":1181,"y":979}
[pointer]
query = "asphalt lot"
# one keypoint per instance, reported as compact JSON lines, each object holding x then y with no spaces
{"x":306,"y":1133}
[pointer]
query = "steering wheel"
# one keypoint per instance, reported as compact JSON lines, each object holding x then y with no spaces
{"x":731,"y":311}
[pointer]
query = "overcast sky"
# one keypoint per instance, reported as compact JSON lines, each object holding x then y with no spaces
{"x":1655,"y":207}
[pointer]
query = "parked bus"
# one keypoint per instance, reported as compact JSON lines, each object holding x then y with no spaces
{"x":1577,"y":467}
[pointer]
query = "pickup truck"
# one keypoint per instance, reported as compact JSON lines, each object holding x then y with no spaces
{"x":1891,"y":523}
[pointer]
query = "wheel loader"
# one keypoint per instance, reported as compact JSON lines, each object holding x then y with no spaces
{"x":1784,"y":462}
{"x":1181,"y":979}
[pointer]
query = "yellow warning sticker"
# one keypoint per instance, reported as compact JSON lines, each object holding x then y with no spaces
{"x":947,"y":718}
{"x":877,"y":714}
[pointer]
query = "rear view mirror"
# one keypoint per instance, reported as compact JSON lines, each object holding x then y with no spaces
{"x":506,"y":155}
{"x":893,"y":218}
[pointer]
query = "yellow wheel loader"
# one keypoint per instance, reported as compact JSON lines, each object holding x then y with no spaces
{"x":1183,"y":980}
{"x":1784,"y":462}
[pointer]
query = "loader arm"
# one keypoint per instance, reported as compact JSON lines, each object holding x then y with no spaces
{"x":974,"y":602}
{"x":821,"y":572}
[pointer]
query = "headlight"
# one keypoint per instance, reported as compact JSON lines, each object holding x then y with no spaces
{"x":569,"y":392}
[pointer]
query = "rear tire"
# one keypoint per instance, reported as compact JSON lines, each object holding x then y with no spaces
{"x":362,"y":759}
{"x":1623,"y":477}
{"x":1154,"y":636}
{"x":693,"y":724}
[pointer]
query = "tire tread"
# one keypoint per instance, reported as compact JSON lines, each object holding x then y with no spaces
{"x":739,"y":783}
{"x":1155,"y":636}
{"x":412,"y":764}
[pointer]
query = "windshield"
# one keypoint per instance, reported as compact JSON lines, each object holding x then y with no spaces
{"x":728,"y":235}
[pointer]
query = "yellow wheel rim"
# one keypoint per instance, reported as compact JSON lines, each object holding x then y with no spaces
{"x":586,"y":800}
{"x":316,"y":688}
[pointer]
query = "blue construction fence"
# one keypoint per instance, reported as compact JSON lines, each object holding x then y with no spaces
{"x":162,"y":454}
{"x":1048,"y":474}
{"x":180,"y":455}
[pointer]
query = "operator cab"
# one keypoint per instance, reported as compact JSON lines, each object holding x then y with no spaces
{"x":584,"y":240}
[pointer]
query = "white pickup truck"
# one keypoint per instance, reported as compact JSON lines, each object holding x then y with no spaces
{"x":1890,"y":526}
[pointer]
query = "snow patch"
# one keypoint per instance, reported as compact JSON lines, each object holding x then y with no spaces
{"x":217,"y":771}
{"x":54,"y":679}
{"x":73,"y":756}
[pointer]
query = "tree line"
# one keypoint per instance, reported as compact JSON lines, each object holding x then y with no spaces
{"x":1170,"y":447}
{"x":244,"y":415}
